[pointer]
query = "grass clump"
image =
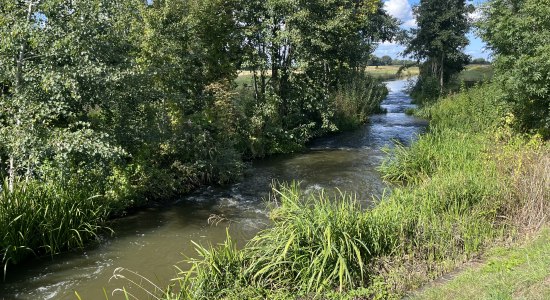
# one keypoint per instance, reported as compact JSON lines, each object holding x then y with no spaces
{"x":358,"y":97}
{"x":42,"y":219}
{"x":316,"y":245}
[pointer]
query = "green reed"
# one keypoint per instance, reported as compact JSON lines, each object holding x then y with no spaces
{"x":45,"y":219}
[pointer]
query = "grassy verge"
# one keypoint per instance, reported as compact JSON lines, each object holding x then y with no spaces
{"x":520,"y":272}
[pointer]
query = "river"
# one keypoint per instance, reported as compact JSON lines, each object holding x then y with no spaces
{"x":153,"y":241}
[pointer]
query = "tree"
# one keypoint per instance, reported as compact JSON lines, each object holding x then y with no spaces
{"x":440,"y":39}
{"x":144,"y":87}
{"x":298,"y":46}
{"x":480,"y":61}
{"x":386,"y":60}
{"x":60,"y":60}
{"x":518,"y":32}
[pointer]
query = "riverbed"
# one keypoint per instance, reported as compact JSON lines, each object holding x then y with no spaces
{"x":154,"y":241}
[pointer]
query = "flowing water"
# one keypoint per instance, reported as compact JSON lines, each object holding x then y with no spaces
{"x":154,"y":241}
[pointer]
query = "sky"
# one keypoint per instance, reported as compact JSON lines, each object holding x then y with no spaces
{"x":402,"y":10}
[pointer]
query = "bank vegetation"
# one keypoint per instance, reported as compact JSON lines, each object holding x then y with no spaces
{"x":109,"y":105}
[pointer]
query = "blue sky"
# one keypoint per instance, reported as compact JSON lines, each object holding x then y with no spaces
{"x":402,"y":10}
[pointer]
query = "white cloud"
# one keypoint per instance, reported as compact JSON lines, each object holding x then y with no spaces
{"x":410,"y":23}
{"x":392,"y":49}
{"x":402,"y":10}
{"x":388,"y":43}
{"x":476,"y":15}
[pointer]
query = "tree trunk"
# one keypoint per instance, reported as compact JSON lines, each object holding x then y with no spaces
{"x":18,"y":86}
{"x":441,"y":74}
{"x":275,"y":58}
{"x":284,"y":84}
{"x":256,"y":96}
{"x":11,"y":174}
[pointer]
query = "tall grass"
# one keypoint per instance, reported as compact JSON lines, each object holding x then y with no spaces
{"x":359,"y":96}
{"x":321,"y":245}
{"x":315,"y":244}
{"x":46,"y":218}
{"x":529,"y":192}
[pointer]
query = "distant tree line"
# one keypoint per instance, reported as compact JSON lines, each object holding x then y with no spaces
{"x":386,"y":60}
{"x":480,"y":61}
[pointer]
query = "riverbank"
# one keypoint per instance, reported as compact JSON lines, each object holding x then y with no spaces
{"x":211,"y":151}
{"x":347,"y":160}
{"x":468,"y":184}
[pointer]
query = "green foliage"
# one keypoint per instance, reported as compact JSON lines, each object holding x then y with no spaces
{"x":476,"y":110}
{"x":355,"y":99}
{"x":217,"y":271}
{"x":439,"y":42}
{"x":136,"y":101}
{"x":518,"y":33}
{"x":426,"y":89}
{"x":55,"y":57}
{"x":299,"y":54}
{"x":315,"y":244}
{"x":477,"y":74}
{"x":459,"y":125}
{"x":262,"y":125}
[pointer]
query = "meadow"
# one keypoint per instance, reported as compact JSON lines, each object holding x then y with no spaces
{"x":391,"y":72}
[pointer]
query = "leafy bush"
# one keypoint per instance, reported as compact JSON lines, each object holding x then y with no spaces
{"x":426,"y":90}
{"x":355,"y":99}
{"x":518,"y":33}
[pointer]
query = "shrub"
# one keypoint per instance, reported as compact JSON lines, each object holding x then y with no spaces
{"x":356,"y":98}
